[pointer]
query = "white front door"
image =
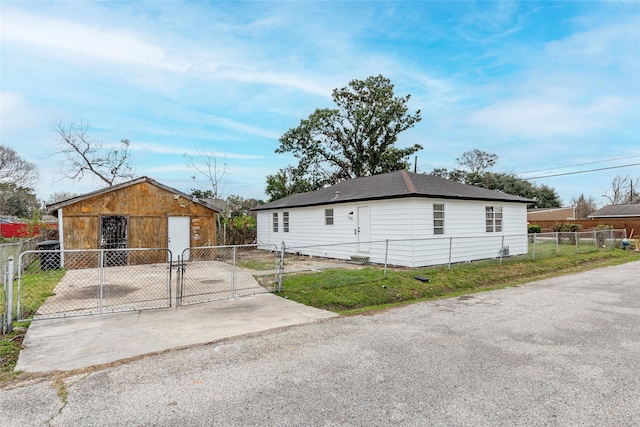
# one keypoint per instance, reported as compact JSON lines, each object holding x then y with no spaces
{"x":364,"y":229}
{"x":179,"y":232}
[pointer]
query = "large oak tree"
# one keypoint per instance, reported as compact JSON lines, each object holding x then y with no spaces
{"x":357,"y":138}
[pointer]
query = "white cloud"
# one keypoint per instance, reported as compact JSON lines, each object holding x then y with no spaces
{"x":69,"y":41}
{"x":533,"y":117}
{"x":181,"y":150}
{"x":57,"y":37}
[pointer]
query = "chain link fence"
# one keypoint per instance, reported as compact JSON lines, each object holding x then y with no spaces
{"x":545,"y":245}
{"x":11,"y":251}
{"x":217,"y":272}
{"x":55,"y":283}
{"x":336,"y":264}
{"x":352,"y":263}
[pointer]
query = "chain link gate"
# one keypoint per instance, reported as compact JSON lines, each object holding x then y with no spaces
{"x":64,"y":283}
{"x":209,"y":273}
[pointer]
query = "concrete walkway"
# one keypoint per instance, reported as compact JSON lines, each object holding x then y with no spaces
{"x":81,"y":342}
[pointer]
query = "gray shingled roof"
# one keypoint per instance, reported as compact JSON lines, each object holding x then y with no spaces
{"x":391,"y":185}
{"x":612,"y":211}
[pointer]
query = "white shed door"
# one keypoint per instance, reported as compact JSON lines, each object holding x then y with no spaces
{"x":364,"y":230}
{"x":179,"y":231}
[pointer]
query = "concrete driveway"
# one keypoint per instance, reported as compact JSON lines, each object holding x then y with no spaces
{"x":80,"y":342}
{"x":557,"y":352}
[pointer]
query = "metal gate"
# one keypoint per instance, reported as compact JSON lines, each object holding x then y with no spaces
{"x":220,"y":272}
{"x":64,"y":283}
{"x":113,"y":235}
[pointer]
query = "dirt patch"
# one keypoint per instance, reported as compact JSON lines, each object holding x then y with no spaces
{"x":92,"y":292}
{"x":211,"y":282}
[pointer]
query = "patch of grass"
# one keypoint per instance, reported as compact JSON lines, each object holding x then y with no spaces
{"x":258,"y":265}
{"x":10,"y":346}
{"x":36,"y":288}
{"x":348,"y":291}
{"x":63,"y":393}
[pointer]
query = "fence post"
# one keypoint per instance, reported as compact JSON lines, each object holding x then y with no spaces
{"x":575,"y":235}
{"x":501,"y":250}
{"x":281,"y":272}
{"x":386,"y":254}
{"x":18,"y":302}
{"x":595,"y":239}
{"x":233,"y":274}
{"x":179,"y":273}
{"x":533,"y":250}
{"x":9,"y":316}
{"x":450,"y":245}
{"x":557,"y":244}
{"x":100,"y":278}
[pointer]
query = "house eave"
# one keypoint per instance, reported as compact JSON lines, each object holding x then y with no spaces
{"x":612,"y":216}
{"x":53,"y":208}
{"x":390,"y":197}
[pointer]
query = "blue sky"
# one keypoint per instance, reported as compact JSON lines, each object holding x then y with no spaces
{"x":544,"y":85}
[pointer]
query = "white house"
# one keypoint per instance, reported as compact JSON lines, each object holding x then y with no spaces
{"x":428,"y":220}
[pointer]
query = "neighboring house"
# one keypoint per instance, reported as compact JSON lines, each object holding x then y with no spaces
{"x":141,"y":213}
{"x":398,"y":205}
{"x":220,"y":204}
{"x":551,"y":214}
{"x":619,"y":217}
{"x":617,"y":211}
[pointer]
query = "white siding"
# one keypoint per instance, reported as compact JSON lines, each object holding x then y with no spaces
{"x":408,"y":224}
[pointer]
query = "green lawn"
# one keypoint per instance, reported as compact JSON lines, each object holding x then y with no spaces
{"x":36,"y":288}
{"x":350,"y":291}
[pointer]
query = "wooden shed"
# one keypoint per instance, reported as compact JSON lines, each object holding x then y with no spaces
{"x":141,"y":213}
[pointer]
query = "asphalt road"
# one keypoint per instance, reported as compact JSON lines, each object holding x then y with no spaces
{"x":559,"y":352}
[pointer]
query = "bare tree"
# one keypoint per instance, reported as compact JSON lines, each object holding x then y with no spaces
{"x":477,"y":162}
{"x":16,"y":170}
{"x":623,"y":190}
{"x":59,"y":196}
{"x":206,"y":163}
{"x":84,"y":154}
{"x":584,"y":206}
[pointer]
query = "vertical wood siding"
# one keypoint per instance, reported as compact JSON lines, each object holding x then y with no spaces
{"x":146,"y":207}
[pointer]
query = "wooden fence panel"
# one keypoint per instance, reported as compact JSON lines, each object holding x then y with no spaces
{"x":628,"y":224}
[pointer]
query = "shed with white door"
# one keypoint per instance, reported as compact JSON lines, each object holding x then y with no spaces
{"x":141,"y":213}
{"x":419,"y":214}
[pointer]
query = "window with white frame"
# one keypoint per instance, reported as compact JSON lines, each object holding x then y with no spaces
{"x":438,"y":219}
{"x":493,"y":219}
{"x":285,"y":222}
{"x":275,"y":222}
{"x":328,"y":217}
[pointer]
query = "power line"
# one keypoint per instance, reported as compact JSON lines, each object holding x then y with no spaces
{"x":585,"y":171}
{"x":579,"y":164}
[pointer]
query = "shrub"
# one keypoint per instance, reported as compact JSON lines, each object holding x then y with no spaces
{"x":602,"y":233}
{"x":533,"y":228}
{"x":567,"y":230}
